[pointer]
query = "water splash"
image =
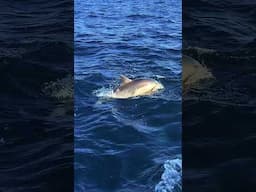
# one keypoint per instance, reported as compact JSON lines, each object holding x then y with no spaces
{"x":171,"y":178}
{"x":60,"y":89}
{"x":104,"y":92}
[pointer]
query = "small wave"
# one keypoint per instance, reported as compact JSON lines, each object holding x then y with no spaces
{"x":160,"y":76}
{"x":140,"y":16}
{"x":200,"y":50}
{"x":171,"y":178}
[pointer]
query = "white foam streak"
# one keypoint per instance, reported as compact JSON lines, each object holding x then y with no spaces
{"x":171,"y":178}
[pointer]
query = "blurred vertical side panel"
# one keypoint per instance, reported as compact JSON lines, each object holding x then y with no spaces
{"x":219,"y":92}
{"x":36,"y":93}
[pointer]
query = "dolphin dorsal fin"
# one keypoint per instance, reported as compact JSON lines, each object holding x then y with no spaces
{"x":124,"y":80}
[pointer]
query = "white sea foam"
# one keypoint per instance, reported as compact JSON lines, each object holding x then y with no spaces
{"x":171,"y":177}
{"x":103,"y":92}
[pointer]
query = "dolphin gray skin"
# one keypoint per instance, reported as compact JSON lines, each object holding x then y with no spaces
{"x":138,"y":87}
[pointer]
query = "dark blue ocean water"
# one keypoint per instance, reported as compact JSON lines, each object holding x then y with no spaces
{"x":127,"y":145}
{"x":219,"y":116}
{"x":36,"y":128}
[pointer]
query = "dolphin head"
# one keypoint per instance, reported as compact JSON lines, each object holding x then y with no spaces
{"x":155,"y":85}
{"x":158,"y":85}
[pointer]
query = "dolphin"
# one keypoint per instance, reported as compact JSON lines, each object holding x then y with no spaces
{"x":138,"y":87}
{"x":193,"y":72}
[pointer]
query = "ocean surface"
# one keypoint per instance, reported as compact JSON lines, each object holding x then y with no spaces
{"x":131,"y":144}
{"x":36,"y":125}
{"x":219,"y":134}
{"x":134,"y":144}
